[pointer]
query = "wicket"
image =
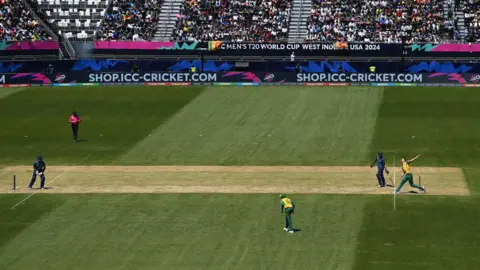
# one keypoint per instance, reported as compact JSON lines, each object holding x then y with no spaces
{"x":420,"y":180}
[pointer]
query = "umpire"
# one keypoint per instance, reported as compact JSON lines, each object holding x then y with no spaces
{"x":39,"y":168}
{"x":75,"y":122}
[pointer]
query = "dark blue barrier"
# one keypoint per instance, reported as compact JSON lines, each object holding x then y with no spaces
{"x":92,"y":77}
{"x":226,"y":66}
{"x":345,"y":49}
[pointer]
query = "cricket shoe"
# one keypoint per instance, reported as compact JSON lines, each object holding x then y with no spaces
{"x":424,"y":189}
{"x":292,"y":231}
{"x":396,"y":192}
{"x":285,"y":229}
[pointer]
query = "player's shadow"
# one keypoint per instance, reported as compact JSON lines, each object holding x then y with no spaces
{"x":297,"y":230}
{"x":43,"y":188}
{"x":413,"y":192}
{"x":389,"y":185}
{"x":80,"y":141}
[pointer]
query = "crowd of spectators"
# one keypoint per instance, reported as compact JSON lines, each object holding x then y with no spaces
{"x":234,"y":20}
{"x":390,"y":21}
{"x":130,"y":20}
{"x":18,"y":24}
{"x":471,"y":10}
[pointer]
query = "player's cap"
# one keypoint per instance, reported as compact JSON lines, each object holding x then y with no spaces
{"x":282,"y":196}
{"x":40,"y":158}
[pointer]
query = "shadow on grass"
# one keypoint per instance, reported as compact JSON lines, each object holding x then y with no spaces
{"x":14,"y":221}
{"x":43,"y":188}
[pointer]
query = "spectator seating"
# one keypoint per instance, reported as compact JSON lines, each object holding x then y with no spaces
{"x":471,"y":10}
{"x":233,"y":20}
{"x":377,"y":21}
{"x":75,"y":18}
{"x":394,"y":21}
{"x":130,"y":20}
{"x":18,"y":24}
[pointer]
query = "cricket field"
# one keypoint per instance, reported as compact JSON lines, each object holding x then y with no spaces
{"x":189,"y":178}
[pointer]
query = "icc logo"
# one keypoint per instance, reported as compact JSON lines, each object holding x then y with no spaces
{"x":475,"y":78}
{"x":60,"y":78}
{"x":269,"y":77}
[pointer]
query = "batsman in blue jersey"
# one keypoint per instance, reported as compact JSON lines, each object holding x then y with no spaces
{"x":380,"y":160}
{"x":39,"y":168}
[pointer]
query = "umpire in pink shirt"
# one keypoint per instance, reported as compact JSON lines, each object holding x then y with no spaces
{"x":75,"y":122}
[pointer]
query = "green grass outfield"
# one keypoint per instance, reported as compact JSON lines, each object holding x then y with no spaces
{"x":240,"y":126}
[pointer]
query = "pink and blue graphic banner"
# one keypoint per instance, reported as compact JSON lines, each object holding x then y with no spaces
{"x":29,"y":45}
{"x":468,"y":48}
{"x":145,"y":45}
{"x":459,"y":48}
{"x":243,"y":78}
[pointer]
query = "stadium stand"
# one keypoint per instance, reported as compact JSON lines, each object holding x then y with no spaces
{"x":18,"y":24}
{"x":471,"y":10}
{"x":74,"y":18}
{"x":130,"y":20}
{"x":377,"y":21}
{"x":233,"y":20}
{"x":395,"y":21}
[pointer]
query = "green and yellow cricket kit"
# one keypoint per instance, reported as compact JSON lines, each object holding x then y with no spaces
{"x":287,"y":205}
{"x":408,"y":177}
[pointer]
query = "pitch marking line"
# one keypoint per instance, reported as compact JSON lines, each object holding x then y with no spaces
{"x":58,"y":176}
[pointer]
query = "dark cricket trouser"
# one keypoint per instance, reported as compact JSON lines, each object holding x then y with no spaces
{"x":408,"y":178}
{"x":75,"y":131}
{"x":34,"y":178}
{"x":288,"y":218}
{"x":380,"y":177}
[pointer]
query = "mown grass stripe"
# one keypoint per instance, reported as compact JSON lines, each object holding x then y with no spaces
{"x":266,"y":126}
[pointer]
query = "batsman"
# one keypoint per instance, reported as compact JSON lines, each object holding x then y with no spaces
{"x":287,"y":206}
{"x":408,"y":176}
{"x":380,"y":160}
{"x":39,"y":168}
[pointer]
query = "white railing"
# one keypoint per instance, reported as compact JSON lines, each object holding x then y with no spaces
{"x":69,"y":47}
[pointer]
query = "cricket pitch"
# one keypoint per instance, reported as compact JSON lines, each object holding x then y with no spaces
{"x":229,"y":179}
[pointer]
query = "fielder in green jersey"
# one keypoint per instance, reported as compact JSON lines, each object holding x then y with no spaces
{"x":287,"y":205}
